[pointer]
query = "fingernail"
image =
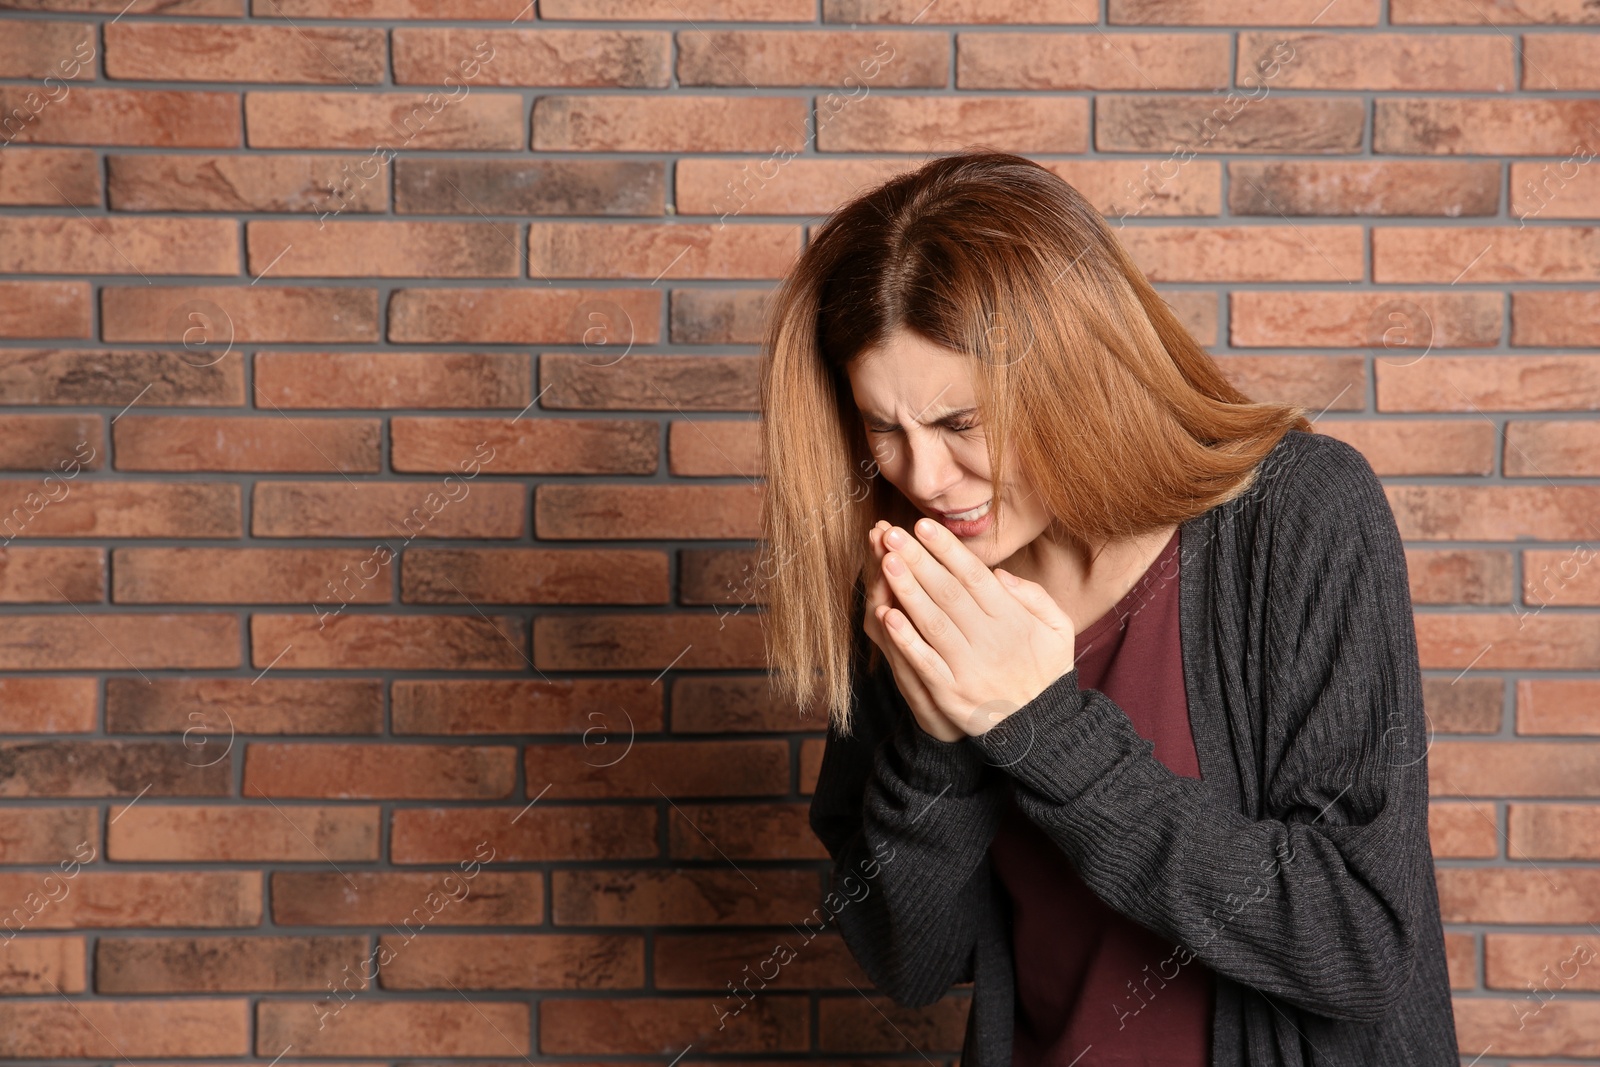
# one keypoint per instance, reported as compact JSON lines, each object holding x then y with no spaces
{"x":895,"y":537}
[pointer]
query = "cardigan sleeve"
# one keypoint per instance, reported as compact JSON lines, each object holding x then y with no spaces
{"x":1315,"y":901}
{"x":907,"y":819}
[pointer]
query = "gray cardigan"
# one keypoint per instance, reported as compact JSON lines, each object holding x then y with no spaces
{"x":1297,"y":868}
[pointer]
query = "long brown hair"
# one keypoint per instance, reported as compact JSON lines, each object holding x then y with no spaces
{"x":1119,"y":418}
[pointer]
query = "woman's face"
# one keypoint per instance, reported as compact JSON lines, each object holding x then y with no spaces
{"x":919,"y":409}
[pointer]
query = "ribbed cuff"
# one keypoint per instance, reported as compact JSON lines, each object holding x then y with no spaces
{"x":930,"y":765}
{"x":1044,"y":743}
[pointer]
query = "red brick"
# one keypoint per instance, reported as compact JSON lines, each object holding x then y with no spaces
{"x":377,"y":1028}
{"x":710,"y":960}
{"x":653,"y":642}
{"x":1465,"y":126}
{"x":61,"y":244}
{"x":1554,"y":190}
{"x":52,"y":575}
{"x":49,"y":836}
{"x":498,"y":10}
{"x":652,"y":250}
{"x":1247,"y":253}
{"x":107,"y":900}
{"x":49,"y":177}
{"x":44,"y":965}
{"x":225,"y":964}
{"x":153,"y":51}
{"x":1463,"y":831}
{"x":396,"y":512}
{"x":1559,"y":61}
{"x":118,"y":642}
{"x":1494,"y":513}
{"x":735,"y":704}
{"x":1407,"y":326}
{"x":653,"y":768}
{"x":323,"y":576}
{"x":44,"y":309}
{"x":534,"y":576}
{"x":514,"y":961}
{"x":61,"y":51}
{"x":591,"y":382}
{"x":1464,"y":576}
{"x":1489,"y":383}
{"x":609,"y":322}
{"x":714,"y":449}
{"x":158,"y":118}
{"x":1379,"y":61}
{"x":212,"y":8}
{"x":1553,"y":832}
{"x":396,"y":121}
{"x":1570,"y":317}
{"x":409,"y":903}
{"x":1553,"y":962}
{"x":47,"y":705}
{"x":1514,"y":769}
{"x":1486,"y":254}
{"x":369,"y":771}
{"x":60,"y":443}
{"x":1520,"y":1026}
{"x":425,"y":186}
{"x":1061,"y":12}
{"x":605,"y":710}
{"x":74,"y":768}
{"x":1417,"y":446}
{"x":668,"y":123}
{"x":239,"y":314}
{"x":398,"y":642}
{"x":1529,"y":642}
{"x":1363,"y":187}
{"x":665,"y":512}
{"x":85,"y":1029}
{"x":209,"y":706}
{"x":1471,"y":13}
{"x":532,"y":833}
{"x":1558,"y":706}
{"x":922,"y":123}
{"x":1332,"y":383}
{"x":681,"y":10}
{"x":544,"y":57}
{"x":880,"y":1025}
{"x":1461,"y":957}
{"x":119,"y":509}
{"x":241,"y":183}
{"x":1243,"y":13}
{"x":679,"y":897}
{"x":256,"y":833}
{"x":729,"y":187}
{"x":531,"y":446}
{"x":1201,"y":124}
{"x":1550,"y":448}
{"x":167,"y":379}
{"x":385,"y":249}
{"x":264,"y":443}
{"x":839,"y":58}
{"x":778,"y":831}
{"x":1075,"y":60}
{"x":394,"y":379}
{"x":644,"y":1025}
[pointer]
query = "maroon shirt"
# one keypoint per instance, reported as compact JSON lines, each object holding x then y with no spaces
{"x":1087,"y":977}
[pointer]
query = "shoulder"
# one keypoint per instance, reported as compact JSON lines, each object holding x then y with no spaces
{"x":1313,"y":483}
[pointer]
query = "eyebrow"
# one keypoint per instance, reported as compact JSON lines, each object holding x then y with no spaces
{"x":954,"y":415}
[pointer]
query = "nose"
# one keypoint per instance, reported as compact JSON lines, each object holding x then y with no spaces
{"x":930,"y":469}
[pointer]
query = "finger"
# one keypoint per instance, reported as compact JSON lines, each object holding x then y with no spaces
{"x":923,"y":659}
{"x":940,"y":607}
{"x":976,"y":579}
{"x":1039,"y":603}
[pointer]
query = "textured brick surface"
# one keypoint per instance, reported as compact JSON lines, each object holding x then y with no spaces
{"x":378,"y":474}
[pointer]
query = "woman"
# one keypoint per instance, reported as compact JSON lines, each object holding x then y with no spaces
{"x":1137,"y":746}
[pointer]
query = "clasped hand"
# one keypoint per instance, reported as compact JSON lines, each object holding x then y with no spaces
{"x":968,"y":646}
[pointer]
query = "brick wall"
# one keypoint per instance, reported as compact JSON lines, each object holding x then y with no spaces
{"x":378,"y":380}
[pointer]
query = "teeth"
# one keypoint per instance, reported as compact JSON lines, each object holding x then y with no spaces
{"x":969,"y":516}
